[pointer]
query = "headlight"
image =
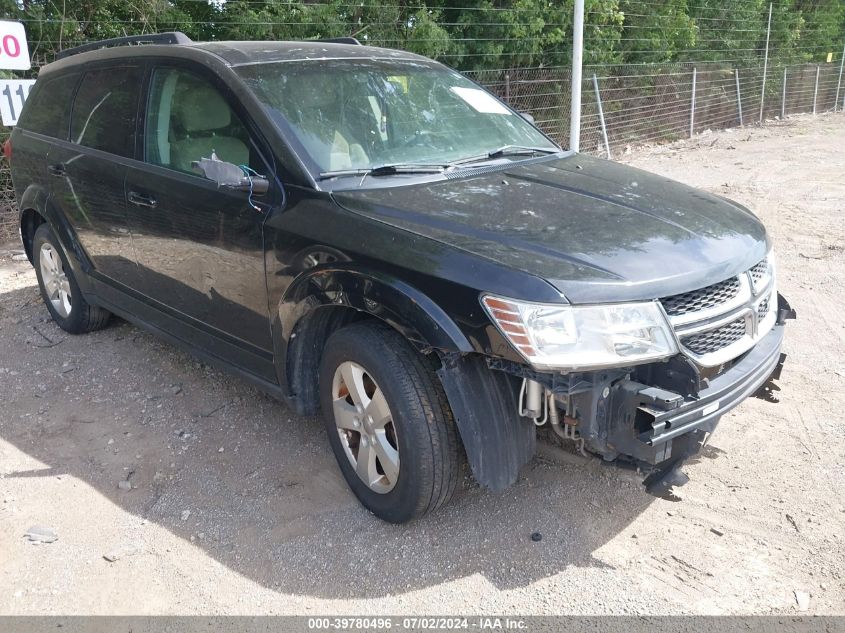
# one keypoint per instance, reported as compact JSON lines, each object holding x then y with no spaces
{"x":583,"y":337}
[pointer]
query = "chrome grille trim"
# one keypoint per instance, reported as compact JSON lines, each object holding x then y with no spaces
{"x":703,"y":299}
{"x":740,"y":297}
{"x":732,"y":316}
{"x":761,"y":275}
{"x":711,"y":341}
{"x":763,"y":309}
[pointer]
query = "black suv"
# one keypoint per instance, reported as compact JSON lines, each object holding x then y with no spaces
{"x":367,"y":233}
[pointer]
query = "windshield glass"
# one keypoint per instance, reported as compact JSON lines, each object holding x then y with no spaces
{"x":361,"y":114}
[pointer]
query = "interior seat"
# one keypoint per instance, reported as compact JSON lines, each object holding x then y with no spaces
{"x":203,"y":119}
{"x":322,"y":129}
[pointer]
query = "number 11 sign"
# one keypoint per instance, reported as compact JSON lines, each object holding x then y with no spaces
{"x":13,"y":92}
{"x":14,"y":55}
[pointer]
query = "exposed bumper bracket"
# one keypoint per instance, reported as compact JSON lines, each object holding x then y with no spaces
{"x":785,"y":311}
{"x":660,"y":483}
{"x":767,"y":389}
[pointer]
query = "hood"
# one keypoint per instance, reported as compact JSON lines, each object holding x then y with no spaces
{"x":596,"y":230}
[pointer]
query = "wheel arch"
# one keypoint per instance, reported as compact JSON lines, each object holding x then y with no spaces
{"x":483,"y":401}
{"x":30,"y":220}
{"x":321,"y":301}
{"x":32,"y":214}
{"x":36,"y":208}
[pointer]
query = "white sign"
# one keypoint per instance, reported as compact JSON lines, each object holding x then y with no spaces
{"x":13,"y":93}
{"x":14,"y":52}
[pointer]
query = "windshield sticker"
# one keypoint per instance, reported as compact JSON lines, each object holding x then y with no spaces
{"x":480,"y":100}
{"x":400,"y":81}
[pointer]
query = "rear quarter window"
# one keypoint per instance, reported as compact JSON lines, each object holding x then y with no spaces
{"x":105,"y":110}
{"x":47,"y":110}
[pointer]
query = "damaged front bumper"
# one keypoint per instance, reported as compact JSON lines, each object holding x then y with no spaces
{"x":651,"y":417}
{"x":654,"y":416}
{"x":654,"y":425}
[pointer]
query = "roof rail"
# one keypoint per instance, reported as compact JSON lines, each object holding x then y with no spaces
{"x":340,"y":40}
{"x":172,"y":37}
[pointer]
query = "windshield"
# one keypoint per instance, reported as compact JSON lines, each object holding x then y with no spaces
{"x":361,"y":114}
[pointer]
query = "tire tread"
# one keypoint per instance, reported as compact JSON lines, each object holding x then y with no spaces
{"x":416,"y":377}
{"x":84,"y":317}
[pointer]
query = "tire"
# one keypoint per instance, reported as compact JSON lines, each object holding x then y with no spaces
{"x":59,"y":289}
{"x":423,"y":474}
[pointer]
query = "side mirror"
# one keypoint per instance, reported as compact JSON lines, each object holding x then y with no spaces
{"x":230,"y":175}
{"x":527,"y":117}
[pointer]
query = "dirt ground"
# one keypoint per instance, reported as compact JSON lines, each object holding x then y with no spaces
{"x":235,"y":506}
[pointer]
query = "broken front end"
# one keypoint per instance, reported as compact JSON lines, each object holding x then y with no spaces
{"x":726,"y":340}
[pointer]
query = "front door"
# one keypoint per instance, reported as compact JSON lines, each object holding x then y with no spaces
{"x":199,"y":247}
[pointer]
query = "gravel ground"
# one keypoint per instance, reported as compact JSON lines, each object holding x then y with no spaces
{"x":214,"y":499}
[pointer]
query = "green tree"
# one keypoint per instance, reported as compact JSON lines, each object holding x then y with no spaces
{"x":657,"y":36}
{"x":484,"y":34}
{"x":821,"y":29}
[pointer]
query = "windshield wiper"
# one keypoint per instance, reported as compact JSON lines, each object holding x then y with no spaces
{"x":385,"y":170}
{"x":505,"y":150}
{"x":520,"y":150}
{"x":436,"y":168}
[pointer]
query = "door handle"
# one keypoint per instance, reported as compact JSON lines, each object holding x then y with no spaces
{"x":56,"y":169}
{"x":141,"y":200}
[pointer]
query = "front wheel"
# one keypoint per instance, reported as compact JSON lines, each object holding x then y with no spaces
{"x":59,"y":289}
{"x":389,"y":423}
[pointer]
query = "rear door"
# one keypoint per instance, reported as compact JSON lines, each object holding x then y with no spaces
{"x":88,"y":171}
{"x":199,"y":247}
{"x":43,"y":124}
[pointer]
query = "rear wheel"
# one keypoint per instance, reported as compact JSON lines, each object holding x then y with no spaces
{"x":59,"y":289}
{"x":389,"y":423}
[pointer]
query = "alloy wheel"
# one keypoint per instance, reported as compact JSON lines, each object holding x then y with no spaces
{"x":366,"y":427}
{"x":54,"y":278}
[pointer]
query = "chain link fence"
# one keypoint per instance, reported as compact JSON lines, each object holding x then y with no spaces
{"x":643,"y":104}
{"x":8,"y":207}
{"x":640,"y":104}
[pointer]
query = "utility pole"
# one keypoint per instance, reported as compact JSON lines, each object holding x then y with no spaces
{"x":577,"y":63}
{"x":839,"y":83}
{"x":601,"y":115}
{"x":783,"y":97}
{"x":692,"y":105}
{"x":765,"y":64}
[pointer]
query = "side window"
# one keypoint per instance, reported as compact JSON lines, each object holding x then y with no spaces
{"x":105,"y":109}
{"x":188,"y":119}
{"x":47,"y":111}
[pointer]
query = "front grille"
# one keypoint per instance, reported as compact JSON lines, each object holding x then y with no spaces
{"x":745,"y":302}
{"x":714,"y":340}
{"x":759,"y":271}
{"x":697,"y":300}
{"x":763,"y":309}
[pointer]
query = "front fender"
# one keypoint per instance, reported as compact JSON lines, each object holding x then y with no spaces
{"x":383,"y":296}
{"x":306,"y":308}
{"x":497,"y":441}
